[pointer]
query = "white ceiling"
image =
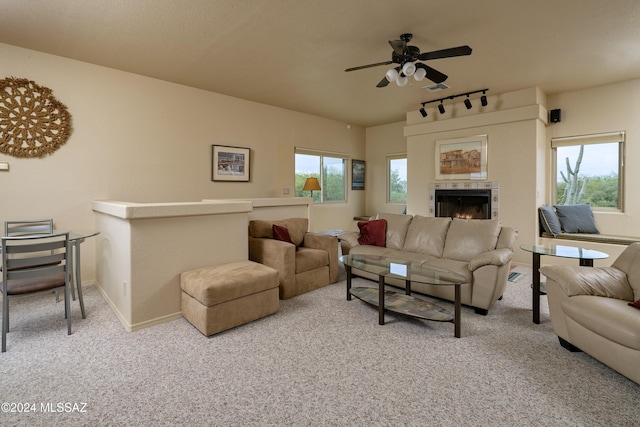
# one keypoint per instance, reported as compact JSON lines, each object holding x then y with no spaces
{"x":292,"y":53}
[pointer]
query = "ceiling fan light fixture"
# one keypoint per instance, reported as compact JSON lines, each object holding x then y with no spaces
{"x":420,"y":74}
{"x":392,"y":75}
{"x":408,"y":69}
{"x":402,"y":81}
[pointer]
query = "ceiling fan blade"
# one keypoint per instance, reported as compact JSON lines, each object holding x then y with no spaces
{"x":398,"y":46}
{"x":362,"y":67}
{"x":432,"y":74}
{"x":446,"y":53}
{"x":383,"y":83}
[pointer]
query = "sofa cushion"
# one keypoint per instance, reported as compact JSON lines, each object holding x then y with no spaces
{"x":549,"y":220}
{"x":459,"y":267}
{"x":635,"y":304}
{"x":467,"y":238}
{"x":576,"y":218}
{"x":397,"y":225}
{"x":297,"y":228}
{"x":426,"y":235}
{"x":608,"y":317}
{"x":309,"y":259}
{"x":373,"y":232}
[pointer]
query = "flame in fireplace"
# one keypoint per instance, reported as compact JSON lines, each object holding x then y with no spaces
{"x":463,"y":216}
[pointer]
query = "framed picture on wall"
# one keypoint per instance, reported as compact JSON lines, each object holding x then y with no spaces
{"x":230,"y":163}
{"x":462,"y":158}
{"x":357,"y":174}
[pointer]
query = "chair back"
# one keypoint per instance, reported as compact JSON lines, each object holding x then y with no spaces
{"x":34,"y":264}
{"x":30,"y":259}
{"x":31,"y":227}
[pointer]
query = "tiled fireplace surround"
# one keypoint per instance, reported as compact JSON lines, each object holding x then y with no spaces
{"x":494,"y":186}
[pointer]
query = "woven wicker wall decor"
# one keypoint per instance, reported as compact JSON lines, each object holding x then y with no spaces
{"x":33,"y":123}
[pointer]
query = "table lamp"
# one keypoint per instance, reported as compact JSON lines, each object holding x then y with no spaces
{"x":311,"y":184}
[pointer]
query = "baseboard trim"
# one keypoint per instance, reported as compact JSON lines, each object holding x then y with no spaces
{"x":129,"y":327}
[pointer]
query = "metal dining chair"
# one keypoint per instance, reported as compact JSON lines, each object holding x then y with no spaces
{"x":32,"y":265}
{"x":31,"y":228}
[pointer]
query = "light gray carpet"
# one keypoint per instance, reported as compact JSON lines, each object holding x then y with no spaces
{"x":320,"y":361}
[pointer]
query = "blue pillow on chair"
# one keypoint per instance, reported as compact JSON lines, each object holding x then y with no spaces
{"x":549,"y":220}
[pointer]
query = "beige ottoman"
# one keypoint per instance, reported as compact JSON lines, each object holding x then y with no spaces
{"x":218,"y":298}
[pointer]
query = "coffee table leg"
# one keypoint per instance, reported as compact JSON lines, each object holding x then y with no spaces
{"x":407,"y":287}
{"x":586,"y":262}
{"x":348,"y":270}
{"x":536,"y":288}
{"x":381,"y":300}
{"x":457,"y":319}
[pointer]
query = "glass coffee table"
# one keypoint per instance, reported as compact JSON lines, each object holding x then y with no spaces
{"x":586,"y":257}
{"x":397,"y":302}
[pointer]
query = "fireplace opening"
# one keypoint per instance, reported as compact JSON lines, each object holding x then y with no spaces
{"x":468,"y":204}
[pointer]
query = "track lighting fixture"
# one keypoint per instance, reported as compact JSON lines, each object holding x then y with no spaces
{"x":467,"y":102}
{"x":483,"y":99}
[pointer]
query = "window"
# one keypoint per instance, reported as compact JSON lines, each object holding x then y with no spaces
{"x":397,"y":178}
{"x":329,"y":168}
{"x":589,"y":169}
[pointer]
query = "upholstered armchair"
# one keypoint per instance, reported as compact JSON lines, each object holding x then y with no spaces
{"x":597,"y":310}
{"x":305,"y":261}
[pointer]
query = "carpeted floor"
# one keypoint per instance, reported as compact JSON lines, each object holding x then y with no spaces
{"x":319,"y":361}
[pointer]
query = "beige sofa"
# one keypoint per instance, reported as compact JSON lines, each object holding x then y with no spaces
{"x":589,"y":308}
{"x":480,"y":250}
{"x":308,"y":263}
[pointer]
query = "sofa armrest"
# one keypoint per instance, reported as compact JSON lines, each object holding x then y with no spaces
{"x":327,"y":243}
{"x":598,"y":281}
{"x":495,"y":257}
{"x":275,"y":254}
{"x":349,"y":240}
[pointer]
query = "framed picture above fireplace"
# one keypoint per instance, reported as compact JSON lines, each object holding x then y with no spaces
{"x":462,"y":158}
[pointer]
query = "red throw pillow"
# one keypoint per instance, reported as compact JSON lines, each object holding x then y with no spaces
{"x":635,"y":304}
{"x":373,"y":232}
{"x":282,"y":233}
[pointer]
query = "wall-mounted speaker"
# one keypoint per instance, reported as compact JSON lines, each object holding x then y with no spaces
{"x":555,"y":116}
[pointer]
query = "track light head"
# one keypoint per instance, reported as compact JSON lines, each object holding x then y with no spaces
{"x":423,"y":112}
{"x":467,"y":103}
{"x":441,"y":108}
{"x":483,"y":100}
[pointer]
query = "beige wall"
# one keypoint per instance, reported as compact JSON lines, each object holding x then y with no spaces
{"x":145,"y":140}
{"x":512,"y":123}
{"x":602,"y":109}
{"x":382,"y":141}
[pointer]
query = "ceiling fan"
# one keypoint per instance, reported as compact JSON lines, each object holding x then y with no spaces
{"x":406,"y":56}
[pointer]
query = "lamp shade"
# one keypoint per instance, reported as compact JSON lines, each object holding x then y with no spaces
{"x":311,"y":184}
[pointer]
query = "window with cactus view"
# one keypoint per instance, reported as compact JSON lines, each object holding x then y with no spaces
{"x":589,"y":173}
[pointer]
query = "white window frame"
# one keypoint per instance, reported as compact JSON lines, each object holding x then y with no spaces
{"x":609,"y":137}
{"x":322,"y":155}
{"x":388,"y":160}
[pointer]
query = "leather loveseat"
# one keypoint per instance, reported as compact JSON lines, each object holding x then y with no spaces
{"x":592,"y":309}
{"x":305,"y":262}
{"x":480,"y":250}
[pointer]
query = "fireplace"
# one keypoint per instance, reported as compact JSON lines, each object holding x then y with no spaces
{"x":463,"y":203}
